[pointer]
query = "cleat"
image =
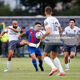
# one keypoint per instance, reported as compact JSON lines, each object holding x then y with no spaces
{"x":6,"y":70}
{"x":41,"y":67}
{"x":67,"y":69}
{"x":62,"y":74}
{"x":53,"y":71}
{"x":36,"y":70}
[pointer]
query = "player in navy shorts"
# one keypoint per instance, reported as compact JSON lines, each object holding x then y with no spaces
{"x":33,"y":51}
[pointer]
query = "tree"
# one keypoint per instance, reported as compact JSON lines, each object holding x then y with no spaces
{"x":42,"y":3}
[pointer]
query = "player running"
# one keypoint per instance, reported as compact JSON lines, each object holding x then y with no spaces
{"x":52,"y":27}
{"x":34,"y":51}
{"x":72,"y":32}
{"x":14,"y":42}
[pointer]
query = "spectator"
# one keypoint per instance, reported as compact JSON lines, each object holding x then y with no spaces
{"x":4,"y":47}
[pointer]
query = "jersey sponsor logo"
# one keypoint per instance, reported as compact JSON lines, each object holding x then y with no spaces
{"x":56,"y":23}
{"x":74,"y":30}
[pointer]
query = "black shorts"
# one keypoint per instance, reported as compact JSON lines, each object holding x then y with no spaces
{"x":69,"y":48}
{"x":49,"y":48}
{"x":14,"y":44}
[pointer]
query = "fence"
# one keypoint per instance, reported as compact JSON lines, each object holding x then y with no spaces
{"x":28,"y":21}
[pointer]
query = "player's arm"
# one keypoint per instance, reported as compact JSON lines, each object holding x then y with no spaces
{"x":2,"y":34}
{"x":60,"y":29}
{"x":78,"y":40}
{"x":47,"y":33}
{"x":15,"y":30}
{"x":22,"y":34}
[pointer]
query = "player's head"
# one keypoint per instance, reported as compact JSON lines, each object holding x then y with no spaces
{"x":14,"y":23}
{"x":48,"y":11}
{"x":71,"y":22}
{"x":37,"y":26}
{"x":42,"y":28}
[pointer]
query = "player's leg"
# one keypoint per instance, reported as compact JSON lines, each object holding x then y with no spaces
{"x":25,"y":42}
{"x":34,"y":61}
{"x":73,"y":51}
{"x":9,"y":58}
{"x":39,"y":54}
{"x":47,"y":59}
{"x":33,"y":56}
{"x":12,"y":47}
{"x":40,"y":63}
{"x":57,"y":62}
{"x":66,"y":53}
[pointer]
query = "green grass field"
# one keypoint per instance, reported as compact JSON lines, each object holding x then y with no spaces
{"x":22,"y":69}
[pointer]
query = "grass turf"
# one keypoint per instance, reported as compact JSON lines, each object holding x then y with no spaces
{"x":22,"y":69}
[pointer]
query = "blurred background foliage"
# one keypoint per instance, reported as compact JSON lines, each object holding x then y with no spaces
{"x":36,"y":7}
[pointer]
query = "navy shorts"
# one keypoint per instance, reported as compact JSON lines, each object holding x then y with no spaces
{"x":49,"y":48}
{"x":69,"y":48}
{"x":14,"y":44}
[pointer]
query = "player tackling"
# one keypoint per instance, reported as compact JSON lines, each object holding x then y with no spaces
{"x":14,"y":42}
{"x":33,"y":52}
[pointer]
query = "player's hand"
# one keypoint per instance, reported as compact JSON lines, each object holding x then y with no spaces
{"x":19,"y":37}
{"x":77,"y":44}
{"x":41,"y":37}
{"x":8,"y":27}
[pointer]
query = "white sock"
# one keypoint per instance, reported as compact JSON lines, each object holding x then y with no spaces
{"x":49,"y":62}
{"x":32,"y":45}
{"x":58,"y":64}
{"x":69,"y":59}
{"x":67,"y":66}
{"x":8,"y":64}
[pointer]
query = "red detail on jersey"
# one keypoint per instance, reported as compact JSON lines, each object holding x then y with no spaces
{"x":32,"y":36}
{"x":35,"y":38}
{"x":29,"y":34}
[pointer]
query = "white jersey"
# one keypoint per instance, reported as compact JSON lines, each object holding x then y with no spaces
{"x":72,"y":34}
{"x":53,"y":23}
{"x":11,"y":34}
{"x":43,"y":31}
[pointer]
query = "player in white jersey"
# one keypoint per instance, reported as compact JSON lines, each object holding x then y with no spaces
{"x":14,"y":42}
{"x":71,"y":39}
{"x":52,"y":27}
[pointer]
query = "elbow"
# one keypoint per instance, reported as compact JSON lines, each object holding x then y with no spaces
{"x":60,"y":31}
{"x":17,"y":31}
{"x":48,"y":32}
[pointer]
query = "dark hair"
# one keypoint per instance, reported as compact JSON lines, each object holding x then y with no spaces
{"x":23,"y":27}
{"x":48,"y":9}
{"x":72,"y":20}
{"x":37,"y":23}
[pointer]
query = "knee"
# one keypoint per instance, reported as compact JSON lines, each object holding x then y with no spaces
{"x":44,"y":55}
{"x":65,"y":56}
{"x":53,"y":57}
{"x":33,"y":57}
{"x":72,"y":56}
